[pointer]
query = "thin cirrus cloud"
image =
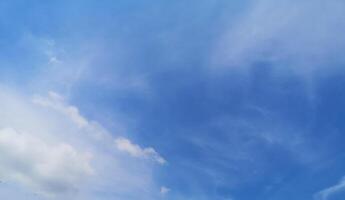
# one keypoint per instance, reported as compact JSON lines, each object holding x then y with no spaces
{"x":331,"y":191}
{"x":301,"y":35}
{"x":56,"y":152}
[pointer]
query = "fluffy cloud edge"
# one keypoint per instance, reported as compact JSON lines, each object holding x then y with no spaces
{"x":125,"y":145}
{"x":74,"y":139}
{"x":48,"y":168}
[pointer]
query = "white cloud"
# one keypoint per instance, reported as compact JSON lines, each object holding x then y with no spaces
{"x":328,"y":192}
{"x":47,"y":168}
{"x":135,"y":150}
{"x":46,"y":147}
{"x":56,"y":102}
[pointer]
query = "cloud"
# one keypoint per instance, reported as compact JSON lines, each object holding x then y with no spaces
{"x":299,"y":35}
{"x":48,"y":147}
{"x":68,"y":67}
{"x":165,"y":190}
{"x":134,"y":150}
{"x":56,"y":102}
{"x":326,"y":193}
{"x":47,"y":168}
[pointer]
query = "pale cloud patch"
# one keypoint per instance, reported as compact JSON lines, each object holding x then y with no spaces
{"x":56,"y":102}
{"x":328,"y":192}
{"x":46,"y":167}
{"x":48,"y":147}
{"x":164,"y":190}
{"x":125,"y":145}
{"x":302,"y":36}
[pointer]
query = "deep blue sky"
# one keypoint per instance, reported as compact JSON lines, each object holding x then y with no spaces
{"x":244,"y":99}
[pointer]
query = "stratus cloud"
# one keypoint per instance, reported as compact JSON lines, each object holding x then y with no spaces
{"x":47,"y":168}
{"x":135,"y":150}
{"x":47,"y":146}
{"x":328,"y":192}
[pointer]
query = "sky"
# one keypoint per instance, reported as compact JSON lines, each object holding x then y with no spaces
{"x":172,"y":100}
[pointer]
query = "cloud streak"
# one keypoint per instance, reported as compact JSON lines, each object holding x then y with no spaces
{"x":56,"y":102}
{"x":299,"y":35}
{"x":125,"y":145}
{"x":56,"y":152}
{"x":328,"y":192}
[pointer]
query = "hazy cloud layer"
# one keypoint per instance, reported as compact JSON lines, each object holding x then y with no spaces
{"x":299,"y":35}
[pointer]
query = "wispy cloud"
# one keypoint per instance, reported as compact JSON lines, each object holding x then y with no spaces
{"x":57,"y":102}
{"x":164,"y":190}
{"x":135,"y":150}
{"x":301,"y":36}
{"x":57,"y":152}
{"x":328,"y":192}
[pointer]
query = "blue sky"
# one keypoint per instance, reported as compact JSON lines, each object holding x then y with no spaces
{"x":178,"y":100}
